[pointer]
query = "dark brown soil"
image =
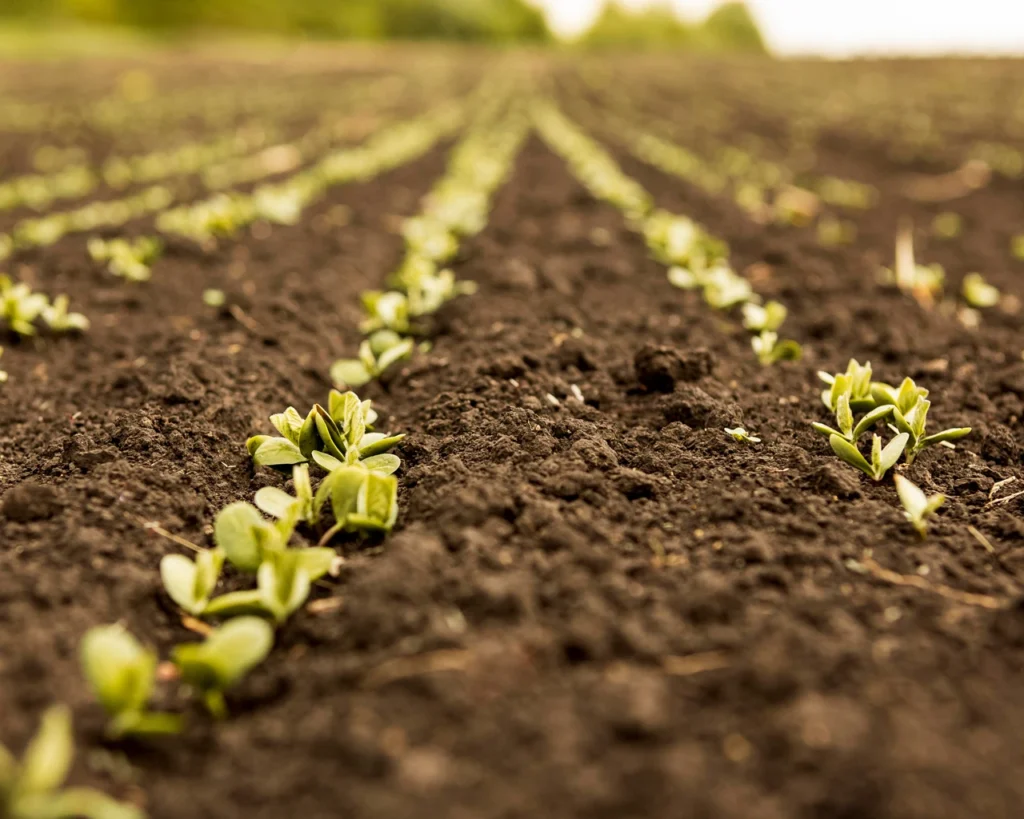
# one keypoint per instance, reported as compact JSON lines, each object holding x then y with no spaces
{"x":605,"y":608}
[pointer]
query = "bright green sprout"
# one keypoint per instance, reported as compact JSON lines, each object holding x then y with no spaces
{"x":758,"y":318}
{"x":882,"y":460}
{"x":340,"y":432}
{"x":130,"y":260}
{"x":850,"y":431}
{"x":122,"y":674}
{"x":860,"y":384}
{"x":376,"y":354}
{"x":31,"y":789}
{"x":770,"y":350}
{"x":917,"y":506}
{"x":979,"y":293}
{"x":910,"y":415}
{"x":360,"y":500}
{"x":223,"y":659}
{"x":923,"y":282}
{"x":741,"y":435}
{"x":20,"y":308}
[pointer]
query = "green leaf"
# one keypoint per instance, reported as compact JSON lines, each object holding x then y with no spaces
{"x":378,"y":499}
{"x":142,"y":724}
{"x":394,"y":354}
{"x":243,"y":535}
{"x":179,"y":576}
{"x":333,"y":441}
{"x":350,"y":372}
{"x":255,"y":442}
{"x":309,"y":438}
{"x":288,"y":423}
{"x":276,"y":502}
{"x":888,"y":456}
{"x":235,"y":604}
{"x":283,"y":585}
{"x":317,"y":561}
{"x":849,"y":453}
{"x":872,"y":418}
{"x":226,"y":656}
{"x":327,"y":462}
{"x":946,"y":435}
{"x":374,"y":443}
{"x":341,"y":406}
{"x":47,"y":760}
{"x":346,"y":484}
{"x":385,"y":464}
{"x":119,"y":670}
{"x":277,"y":452}
{"x":827,"y":431}
{"x":844,"y":416}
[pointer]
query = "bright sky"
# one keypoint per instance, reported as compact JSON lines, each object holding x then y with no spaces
{"x":842,"y":27}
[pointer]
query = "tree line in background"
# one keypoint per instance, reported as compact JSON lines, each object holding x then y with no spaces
{"x":730,"y":27}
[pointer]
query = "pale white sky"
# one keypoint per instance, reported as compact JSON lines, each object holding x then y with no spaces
{"x":842,"y":27}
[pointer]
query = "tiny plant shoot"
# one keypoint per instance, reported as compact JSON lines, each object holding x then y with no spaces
{"x":978,"y":293}
{"x":223,"y":659}
{"x":917,"y":507}
{"x":31,"y":788}
{"x":741,"y":435}
{"x":339,"y":432}
{"x":376,"y":354}
{"x":122,"y":674}
{"x":882,"y":459}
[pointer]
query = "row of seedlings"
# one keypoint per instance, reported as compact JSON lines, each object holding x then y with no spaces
{"x":262,"y":540}
{"x":696,"y":260}
{"x":678,"y":241}
{"x":457,"y":207}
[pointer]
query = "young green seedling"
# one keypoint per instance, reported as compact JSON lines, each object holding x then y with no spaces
{"x":911,"y":416}
{"x":130,"y":260}
{"x":724,"y":288}
{"x":122,"y":674}
{"x":386,"y":310}
{"x":31,"y":789}
{"x":339,"y":432}
{"x":770,"y":350}
{"x":979,"y":293}
{"x":57,"y":317}
{"x":191,"y":584}
{"x":376,"y":354}
{"x":227,"y":655}
{"x":923,"y":282}
{"x":760,"y":318}
{"x":882,"y":460}
{"x":859,"y":384}
{"x":20,"y":307}
{"x":741,"y":435}
{"x":360,"y":500}
{"x":850,"y":430}
{"x":917,"y":506}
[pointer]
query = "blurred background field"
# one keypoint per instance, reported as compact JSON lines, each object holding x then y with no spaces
{"x":86,"y":27}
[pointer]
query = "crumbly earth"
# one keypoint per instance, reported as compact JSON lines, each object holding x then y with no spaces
{"x":595,"y":603}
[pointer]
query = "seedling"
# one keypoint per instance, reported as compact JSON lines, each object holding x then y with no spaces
{"x":122,"y":674}
{"x":360,"y":500}
{"x":724,"y":288}
{"x":923,"y":282}
{"x":340,"y":432}
{"x":376,"y":354}
{"x":128,"y":259}
{"x":758,"y":318}
{"x":741,"y":435}
{"x":57,"y":317}
{"x":859,"y":384}
{"x":386,"y":311}
{"x":20,"y":307}
{"x":190,"y":584}
{"x":31,"y":789}
{"x":917,"y":506}
{"x":979,"y":293}
{"x":882,"y":460}
{"x":910,"y":415}
{"x":214,"y":298}
{"x":226,"y":656}
{"x":770,"y":350}
{"x":429,"y":239}
{"x":848,"y":430}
